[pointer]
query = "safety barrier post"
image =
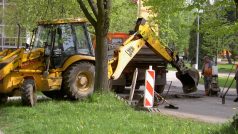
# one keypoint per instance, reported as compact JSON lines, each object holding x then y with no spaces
{"x":149,"y":87}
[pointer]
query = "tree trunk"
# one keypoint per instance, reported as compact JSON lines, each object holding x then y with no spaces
{"x":101,"y":77}
{"x":236,"y":3}
{"x":101,"y":28}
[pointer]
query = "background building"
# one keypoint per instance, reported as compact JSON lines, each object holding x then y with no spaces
{"x":9,"y":33}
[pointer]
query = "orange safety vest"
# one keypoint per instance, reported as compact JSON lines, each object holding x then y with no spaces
{"x":207,"y":69}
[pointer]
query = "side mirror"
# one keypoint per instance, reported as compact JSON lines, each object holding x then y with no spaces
{"x":47,"y":49}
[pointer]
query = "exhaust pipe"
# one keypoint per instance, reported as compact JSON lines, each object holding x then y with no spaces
{"x":189,"y":79}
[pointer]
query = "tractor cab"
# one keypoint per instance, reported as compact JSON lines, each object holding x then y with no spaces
{"x":63,"y":39}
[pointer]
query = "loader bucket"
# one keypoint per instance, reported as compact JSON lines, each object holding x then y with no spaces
{"x":189,"y":78}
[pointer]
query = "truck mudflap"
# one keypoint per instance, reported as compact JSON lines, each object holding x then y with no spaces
{"x":189,"y":79}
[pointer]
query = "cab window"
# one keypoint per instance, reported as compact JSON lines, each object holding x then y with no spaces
{"x":82,"y":40}
{"x":43,"y":35}
{"x":67,"y":39}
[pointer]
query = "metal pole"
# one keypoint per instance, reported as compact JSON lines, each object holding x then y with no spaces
{"x":2,"y":32}
{"x":197,"y":50}
{"x":19,"y":35}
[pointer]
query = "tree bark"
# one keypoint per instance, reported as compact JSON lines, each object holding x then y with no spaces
{"x":86,"y":13}
{"x":101,"y":76}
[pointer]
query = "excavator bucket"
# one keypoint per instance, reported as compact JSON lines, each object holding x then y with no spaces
{"x":189,"y":78}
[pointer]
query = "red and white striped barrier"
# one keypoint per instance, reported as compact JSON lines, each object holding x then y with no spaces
{"x":149,"y":87}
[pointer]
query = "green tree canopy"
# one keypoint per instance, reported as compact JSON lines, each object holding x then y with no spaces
{"x":174,"y":21}
{"x":28,"y":12}
{"x":218,"y":28}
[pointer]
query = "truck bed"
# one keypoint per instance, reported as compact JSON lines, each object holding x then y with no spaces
{"x":146,"y":55}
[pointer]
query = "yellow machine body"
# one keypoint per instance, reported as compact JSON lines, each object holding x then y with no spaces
{"x":16,"y":65}
{"x":21,"y":64}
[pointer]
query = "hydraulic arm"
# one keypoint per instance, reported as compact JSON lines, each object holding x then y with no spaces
{"x":145,"y":36}
{"x":9,"y":62}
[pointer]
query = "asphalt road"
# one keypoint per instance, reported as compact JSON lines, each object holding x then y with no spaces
{"x":197,"y":105}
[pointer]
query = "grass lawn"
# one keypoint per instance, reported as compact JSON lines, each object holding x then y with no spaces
{"x":226,"y":68}
{"x":102,"y":114}
{"x":222,"y":68}
{"x":222,"y":81}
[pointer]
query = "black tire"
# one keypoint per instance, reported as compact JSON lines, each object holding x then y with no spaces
{"x":118,"y":88}
{"x":159,"y":88}
{"x":78,"y":80}
{"x":28,"y":95}
{"x":3,"y":98}
{"x":56,"y":94}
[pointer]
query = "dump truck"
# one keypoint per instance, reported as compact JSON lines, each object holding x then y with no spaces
{"x":61,"y":62}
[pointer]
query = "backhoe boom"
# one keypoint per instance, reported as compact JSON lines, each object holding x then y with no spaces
{"x":124,"y":54}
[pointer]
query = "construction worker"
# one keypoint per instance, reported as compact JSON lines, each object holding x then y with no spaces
{"x":236,"y":78}
{"x":207,"y":73}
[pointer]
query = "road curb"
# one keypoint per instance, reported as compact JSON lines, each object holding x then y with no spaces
{"x":136,"y":105}
{"x":203,"y":118}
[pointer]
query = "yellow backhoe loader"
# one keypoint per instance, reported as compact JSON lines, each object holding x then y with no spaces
{"x":60,"y":62}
